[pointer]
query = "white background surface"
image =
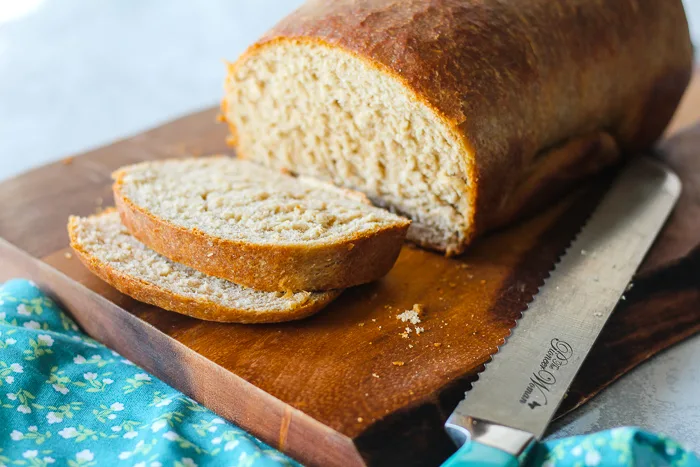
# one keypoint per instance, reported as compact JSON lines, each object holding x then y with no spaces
{"x":76,"y":74}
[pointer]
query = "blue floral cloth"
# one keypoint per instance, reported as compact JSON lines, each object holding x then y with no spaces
{"x":623,"y":447}
{"x":67,"y":400}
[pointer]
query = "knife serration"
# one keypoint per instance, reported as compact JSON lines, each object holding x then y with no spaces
{"x":527,"y":378}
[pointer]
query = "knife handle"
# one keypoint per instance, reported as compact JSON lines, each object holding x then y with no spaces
{"x":477,"y":454}
{"x":485,"y":443}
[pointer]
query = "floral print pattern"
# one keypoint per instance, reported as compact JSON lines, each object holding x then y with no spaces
{"x":66,"y":400}
{"x":623,"y":447}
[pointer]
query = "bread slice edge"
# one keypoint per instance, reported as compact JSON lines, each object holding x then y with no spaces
{"x":356,"y":260}
{"x":201,"y":309}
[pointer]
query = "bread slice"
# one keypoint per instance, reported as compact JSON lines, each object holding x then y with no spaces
{"x":108,"y":250}
{"x":258,"y":228}
{"x":462,"y":115}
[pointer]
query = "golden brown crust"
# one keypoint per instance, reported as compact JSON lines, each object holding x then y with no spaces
{"x":513,"y":79}
{"x":353,"y":261}
{"x":200,"y":309}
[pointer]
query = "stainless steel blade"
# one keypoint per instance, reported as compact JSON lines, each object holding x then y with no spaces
{"x":527,"y":379}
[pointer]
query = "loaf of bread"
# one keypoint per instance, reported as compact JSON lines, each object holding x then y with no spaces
{"x":258,"y":228}
{"x":461,"y":114}
{"x":105,"y":246}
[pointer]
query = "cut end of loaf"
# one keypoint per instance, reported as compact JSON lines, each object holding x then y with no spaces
{"x":105,"y":246}
{"x":320,"y":111}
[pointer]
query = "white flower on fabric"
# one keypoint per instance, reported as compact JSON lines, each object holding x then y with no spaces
{"x":164,"y":402}
{"x":212,"y":429}
{"x":90,"y":376}
{"x":16,"y":367}
{"x":188,"y":462}
{"x":107,"y":381}
{"x":10,"y":341}
{"x":548,"y":464}
{"x":79,"y":360}
{"x":68,"y":432}
{"x":117,"y":406}
{"x":124,"y":455}
{"x":11,"y":396}
{"x":170,"y":435}
{"x":156,"y":464}
{"x":116,"y":428}
{"x":16,"y":435}
{"x":62,"y":389}
{"x":33,"y":284}
{"x":231,"y":445}
{"x":23,"y":310}
{"x":142,"y":377}
{"x":30,"y":454}
{"x":671,"y":450}
{"x":24,"y":409}
{"x":127,"y":362}
{"x":96,"y":357}
{"x":32,"y":325}
{"x":53,"y":417}
{"x":10,"y":379}
{"x":216,"y":440}
{"x":158,"y":425}
{"x":577,"y":451}
{"x":32,"y":428}
{"x":46,"y":339}
{"x":85,"y":455}
{"x":49,"y":460}
{"x":218,"y":421}
{"x":140,"y":464}
{"x":130,"y":434}
{"x":115,"y":353}
{"x":592,"y":458}
{"x":111,"y":416}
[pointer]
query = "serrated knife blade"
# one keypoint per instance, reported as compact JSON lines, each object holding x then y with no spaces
{"x":517,"y":394}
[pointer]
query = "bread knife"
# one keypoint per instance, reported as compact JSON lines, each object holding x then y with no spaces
{"x":516,"y":396}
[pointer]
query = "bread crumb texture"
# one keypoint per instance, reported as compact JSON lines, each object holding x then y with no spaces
{"x":104,"y":239}
{"x":411,"y":316}
{"x":237,"y":200}
{"x":324,"y":113}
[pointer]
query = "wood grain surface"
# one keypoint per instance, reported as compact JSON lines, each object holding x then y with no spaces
{"x":344,"y":387}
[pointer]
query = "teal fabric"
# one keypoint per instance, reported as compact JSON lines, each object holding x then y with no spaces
{"x":620,"y":447}
{"x":623,"y":447}
{"x":67,"y":400}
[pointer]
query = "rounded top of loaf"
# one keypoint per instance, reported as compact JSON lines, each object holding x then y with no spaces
{"x":533,"y":94}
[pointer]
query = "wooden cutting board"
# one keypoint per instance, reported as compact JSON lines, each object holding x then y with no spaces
{"x":345,"y":387}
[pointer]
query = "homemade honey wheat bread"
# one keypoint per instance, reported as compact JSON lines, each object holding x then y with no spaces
{"x":258,"y":228}
{"x":460,"y":114}
{"x":108,"y":250}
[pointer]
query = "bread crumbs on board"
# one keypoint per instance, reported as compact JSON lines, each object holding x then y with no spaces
{"x":68,"y":255}
{"x":398,"y":363}
{"x":413,"y":315}
{"x":375,"y":375}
